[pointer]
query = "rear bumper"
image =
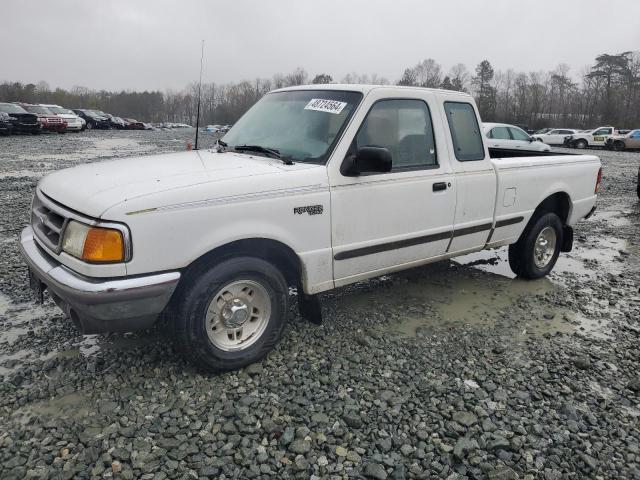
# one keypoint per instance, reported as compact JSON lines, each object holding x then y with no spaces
{"x":99,"y":305}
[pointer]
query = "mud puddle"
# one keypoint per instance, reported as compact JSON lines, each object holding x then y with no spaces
{"x":616,"y":218}
{"x":443,"y":294}
{"x":106,"y":147}
{"x":481,"y":292}
{"x":21,"y":173}
{"x":71,"y":405}
{"x":586,"y":260}
{"x":589,"y":260}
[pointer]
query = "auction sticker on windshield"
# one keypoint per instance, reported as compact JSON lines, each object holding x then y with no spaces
{"x":323,"y":105}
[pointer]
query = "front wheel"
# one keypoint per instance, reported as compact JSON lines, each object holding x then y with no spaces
{"x":231,"y":314}
{"x":581,"y":144}
{"x":536,"y":252}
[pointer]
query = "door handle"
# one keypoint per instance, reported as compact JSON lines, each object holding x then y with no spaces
{"x":439,"y":186}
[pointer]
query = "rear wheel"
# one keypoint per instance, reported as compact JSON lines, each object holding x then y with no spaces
{"x":535,"y":254}
{"x":231,"y":314}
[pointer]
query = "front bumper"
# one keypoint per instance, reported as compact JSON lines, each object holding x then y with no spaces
{"x":99,"y":305}
{"x":54,"y":127}
{"x":28,"y":127}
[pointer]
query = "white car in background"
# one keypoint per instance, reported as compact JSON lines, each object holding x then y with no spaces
{"x":74,"y":122}
{"x":590,"y":138}
{"x":502,"y":135}
{"x":555,"y":136}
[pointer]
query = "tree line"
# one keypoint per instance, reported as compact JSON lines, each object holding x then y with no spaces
{"x":606,"y":92}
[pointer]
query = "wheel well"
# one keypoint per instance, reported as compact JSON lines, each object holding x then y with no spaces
{"x":558,"y":203}
{"x":273,"y":251}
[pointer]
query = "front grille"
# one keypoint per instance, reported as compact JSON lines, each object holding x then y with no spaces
{"x":47,"y":224}
{"x":53,"y":120}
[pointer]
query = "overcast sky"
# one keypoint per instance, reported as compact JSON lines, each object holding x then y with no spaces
{"x":155,"y":44}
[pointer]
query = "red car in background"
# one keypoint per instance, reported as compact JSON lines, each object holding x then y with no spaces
{"x":49,"y":120}
{"x":133,"y":124}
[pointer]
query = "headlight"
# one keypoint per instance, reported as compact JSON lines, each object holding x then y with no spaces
{"x":93,"y":244}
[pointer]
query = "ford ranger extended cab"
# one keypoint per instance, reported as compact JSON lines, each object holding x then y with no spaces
{"x":312,"y":189}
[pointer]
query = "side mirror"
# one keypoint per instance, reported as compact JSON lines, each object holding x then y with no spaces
{"x":368,"y":159}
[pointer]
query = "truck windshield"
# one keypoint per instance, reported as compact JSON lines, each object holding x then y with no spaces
{"x":302,"y":125}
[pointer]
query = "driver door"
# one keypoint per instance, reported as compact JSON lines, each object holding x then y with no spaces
{"x":386,"y":221}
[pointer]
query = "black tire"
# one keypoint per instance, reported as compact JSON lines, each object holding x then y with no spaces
{"x":188,"y":316}
{"x":89,"y":126}
{"x":618,"y":146}
{"x":521,"y":253}
{"x":581,"y":144}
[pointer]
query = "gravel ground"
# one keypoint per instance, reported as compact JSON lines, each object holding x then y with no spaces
{"x":455,"y":370}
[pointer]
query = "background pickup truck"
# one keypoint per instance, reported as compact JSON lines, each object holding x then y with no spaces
{"x":313,"y":188}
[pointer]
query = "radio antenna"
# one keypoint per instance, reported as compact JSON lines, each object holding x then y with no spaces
{"x":199,"y":97}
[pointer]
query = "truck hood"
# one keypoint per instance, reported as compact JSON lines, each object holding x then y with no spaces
{"x":94,"y":188}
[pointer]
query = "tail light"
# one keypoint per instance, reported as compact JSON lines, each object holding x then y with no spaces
{"x":598,"y":180}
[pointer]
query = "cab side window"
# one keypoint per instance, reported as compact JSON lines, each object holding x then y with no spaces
{"x":403,"y":127}
{"x":603,"y":131}
{"x":465,"y":131}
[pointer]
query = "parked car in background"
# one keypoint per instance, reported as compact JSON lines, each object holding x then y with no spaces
{"x":541,"y":131}
{"x":590,"y":138}
{"x":630,"y":141}
{"x":212,"y":128}
{"x":501,"y":135}
{"x":49,"y":120}
{"x":133,"y":124}
{"x":6,"y":123}
{"x":116,"y":122}
{"x":93,"y":120}
{"x":74,"y":122}
{"x":555,"y":136}
{"x":25,"y":122}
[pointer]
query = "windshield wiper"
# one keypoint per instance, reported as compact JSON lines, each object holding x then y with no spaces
{"x":272,"y":152}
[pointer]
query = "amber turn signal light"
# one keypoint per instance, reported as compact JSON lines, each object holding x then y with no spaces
{"x":103,"y":245}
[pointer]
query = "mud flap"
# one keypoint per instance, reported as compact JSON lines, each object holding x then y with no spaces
{"x":309,"y":307}
{"x":567,"y":239}
{"x":37,"y":287}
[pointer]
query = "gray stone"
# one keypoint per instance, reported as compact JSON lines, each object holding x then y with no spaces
{"x":465,"y":418}
{"x":375,"y":471}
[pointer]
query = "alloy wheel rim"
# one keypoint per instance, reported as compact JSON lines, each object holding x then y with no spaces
{"x":238,"y":315}
{"x":545,"y":247}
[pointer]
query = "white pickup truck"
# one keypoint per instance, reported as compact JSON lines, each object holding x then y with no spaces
{"x":314,"y":188}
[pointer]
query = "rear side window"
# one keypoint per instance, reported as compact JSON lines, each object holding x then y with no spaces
{"x":465,"y":132}
{"x":500,"y":133}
